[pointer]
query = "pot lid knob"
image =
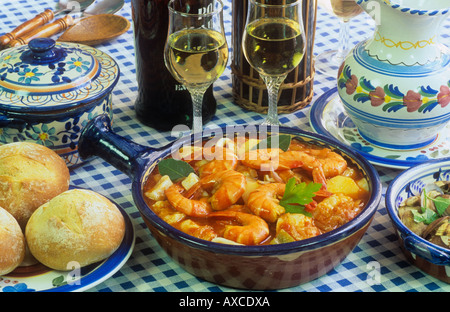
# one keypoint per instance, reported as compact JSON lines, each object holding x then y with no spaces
{"x":42,"y":51}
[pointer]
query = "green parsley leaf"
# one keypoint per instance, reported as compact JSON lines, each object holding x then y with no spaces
{"x":296,"y":196}
{"x":441,"y":204}
{"x":426,"y":216}
{"x":174,"y":168}
{"x":283,"y":140}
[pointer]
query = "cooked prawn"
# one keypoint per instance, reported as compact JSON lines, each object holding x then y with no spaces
{"x":331,"y":162}
{"x":190,"y":207}
{"x":334,"y":211}
{"x":297,"y":225}
{"x":269,"y":159}
{"x":227,"y":188}
{"x":164,"y":210}
{"x":190,"y":227}
{"x":251,"y":230}
{"x":264,"y":203}
{"x":322,"y":163}
{"x":178,"y":219}
{"x":219,"y":159}
{"x":208,"y":160}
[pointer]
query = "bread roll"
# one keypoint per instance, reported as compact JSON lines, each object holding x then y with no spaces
{"x":77,"y":225}
{"x":30,"y":175}
{"x":12,"y":243}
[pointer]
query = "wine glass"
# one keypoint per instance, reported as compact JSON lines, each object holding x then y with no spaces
{"x":196,"y":51}
{"x":328,"y":62}
{"x":273,"y":44}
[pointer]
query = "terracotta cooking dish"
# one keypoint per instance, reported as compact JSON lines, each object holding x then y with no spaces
{"x":247,"y":267}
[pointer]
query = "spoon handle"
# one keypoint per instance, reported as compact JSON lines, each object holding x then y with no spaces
{"x":44,"y":31}
{"x":24,"y":28}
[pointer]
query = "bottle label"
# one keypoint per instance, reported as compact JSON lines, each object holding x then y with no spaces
{"x":179,"y":87}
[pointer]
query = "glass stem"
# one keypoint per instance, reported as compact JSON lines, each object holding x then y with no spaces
{"x":344,"y":38}
{"x":197,"y":103}
{"x":273,"y":84}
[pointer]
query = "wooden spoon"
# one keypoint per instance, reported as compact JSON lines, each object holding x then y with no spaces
{"x":43,"y":18}
{"x":96,"y":29}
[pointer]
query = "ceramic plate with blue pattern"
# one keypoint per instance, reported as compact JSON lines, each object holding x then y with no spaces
{"x":328,"y":117}
{"x":38,"y":278}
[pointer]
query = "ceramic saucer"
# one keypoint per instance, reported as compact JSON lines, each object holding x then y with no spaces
{"x":328,"y":117}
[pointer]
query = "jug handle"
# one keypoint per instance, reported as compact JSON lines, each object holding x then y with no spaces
{"x":98,"y":139}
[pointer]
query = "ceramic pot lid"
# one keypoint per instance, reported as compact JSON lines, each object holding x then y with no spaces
{"x":46,"y":75}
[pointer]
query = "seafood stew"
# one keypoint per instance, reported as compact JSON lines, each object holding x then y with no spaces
{"x":428,"y":213}
{"x":249,"y":193}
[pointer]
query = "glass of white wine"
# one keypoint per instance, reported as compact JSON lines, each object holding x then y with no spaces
{"x":328,"y":62}
{"x":196,"y":51}
{"x":274,"y":44}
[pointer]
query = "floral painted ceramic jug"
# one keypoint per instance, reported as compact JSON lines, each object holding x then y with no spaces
{"x":396,"y":85}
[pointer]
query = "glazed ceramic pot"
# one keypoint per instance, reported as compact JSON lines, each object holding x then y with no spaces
{"x":247,"y":267}
{"x":49,"y":91}
{"x":395,"y":86}
{"x":428,"y":257}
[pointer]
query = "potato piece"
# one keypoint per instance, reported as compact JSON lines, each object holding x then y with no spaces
{"x":282,"y":237}
{"x":190,"y":181}
{"x":243,"y":149}
{"x":363,"y":184}
{"x":344,"y":185}
{"x":189,"y":152}
{"x":224,"y":241}
{"x":226,"y":142}
{"x":157,"y":192}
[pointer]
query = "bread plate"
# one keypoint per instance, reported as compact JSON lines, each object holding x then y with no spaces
{"x":38,"y":278}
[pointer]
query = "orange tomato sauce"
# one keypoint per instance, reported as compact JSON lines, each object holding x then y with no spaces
{"x":343,"y":195}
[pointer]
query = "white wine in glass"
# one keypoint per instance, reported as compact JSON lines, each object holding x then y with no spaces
{"x":274,"y":44}
{"x":196,"y":51}
{"x":328,"y":62}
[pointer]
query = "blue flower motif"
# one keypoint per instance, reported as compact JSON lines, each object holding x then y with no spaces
{"x":20,"y":287}
{"x":58,"y":73}
{"x":359,"y":147}
{"x":29,"y":75}
{"x":415,"y":187}
{"x":446,"y":175}
{"x":43,"y":135}
{"x":419,"y":157}
{"x":78,"y":64}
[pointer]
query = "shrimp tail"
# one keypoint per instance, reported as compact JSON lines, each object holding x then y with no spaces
{"x":319,"y":177}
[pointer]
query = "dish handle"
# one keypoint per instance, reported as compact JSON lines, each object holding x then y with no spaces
{"x":7,"y":122}
{"x":98,"y":139}
{"x":426,"y":251}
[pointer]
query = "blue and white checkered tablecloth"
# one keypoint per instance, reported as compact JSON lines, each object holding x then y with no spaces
{"x":150,"y":269}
